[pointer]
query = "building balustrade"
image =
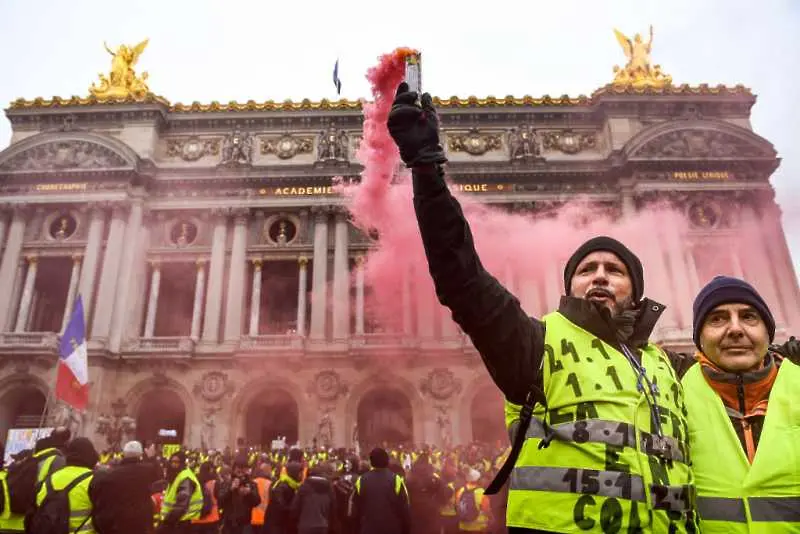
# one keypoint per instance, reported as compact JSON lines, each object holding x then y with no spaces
{"x":29,"y":340}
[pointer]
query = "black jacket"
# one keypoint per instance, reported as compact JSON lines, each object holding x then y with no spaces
{"x":278,"y":518}
{"x":313,"y":504}
{"x":236,"y":504}
{"x":510,"y":342}
{"x":426,"y":494}
{"x":122,"y":497}
{"x":378,"y":508}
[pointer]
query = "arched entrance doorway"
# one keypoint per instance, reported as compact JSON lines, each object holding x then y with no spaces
{"x":270,"y":415}
{"x":385,"y":416}
{"x":486,"y":414}
{"x":161,"y":417}
{"x":20,"y":407}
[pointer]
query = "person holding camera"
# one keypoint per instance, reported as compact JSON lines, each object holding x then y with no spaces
{"x":237,"y":498}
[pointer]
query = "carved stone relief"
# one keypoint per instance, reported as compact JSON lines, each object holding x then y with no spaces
{"x":287,"y":146}
{"x":523,"y":143}
{"x":333,"y":146}
{"x":699,"y":144}
{"x":327,"y":387}
{"x":237,"y":149}
{"x":441,"y":384}
{"x":63,"y":155}
{"x":473,"y":142}
{"x":568,"y":141}
{"x":192,"y":148}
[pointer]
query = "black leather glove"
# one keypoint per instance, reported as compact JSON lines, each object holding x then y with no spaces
{"x":414,"y":126}
{"x":790,"y":349}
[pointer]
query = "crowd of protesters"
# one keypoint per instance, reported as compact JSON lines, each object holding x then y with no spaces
{"x":253,"y":491}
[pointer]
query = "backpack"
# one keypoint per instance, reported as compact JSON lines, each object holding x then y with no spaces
{"x":52,"y":516}
{"x":22,"y":482}
{"x":466,"y":509}
{"x":208,"y":501}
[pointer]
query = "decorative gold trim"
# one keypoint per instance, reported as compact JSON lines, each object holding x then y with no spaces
{"x":355,"y":105}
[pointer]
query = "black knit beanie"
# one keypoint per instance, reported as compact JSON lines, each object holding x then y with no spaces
{"x":728,"y":290}
{"x":608,"y":244}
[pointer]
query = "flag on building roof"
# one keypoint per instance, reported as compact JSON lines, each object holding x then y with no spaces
{"x":336,"y":81}
{"x":72,"y":377}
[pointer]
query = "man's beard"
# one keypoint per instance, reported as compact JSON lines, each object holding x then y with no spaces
{"x":616,"y":307}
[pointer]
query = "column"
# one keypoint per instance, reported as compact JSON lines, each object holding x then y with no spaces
{"x":529,"y":297}
{"x":197,"y":308}
{"x":408,"y":324}
{"x":628,"y":204}
{"x":90,"y":256}
{"x":152,"y":302}
{"x":255,"y":298}
{"x":657,"y":282}
{"x":101,"y":325}
{"x":27,"y":294}
{"x":302,"y":284}
{"x":132,"y":253}
{"x":360,"y":295}
{"x":552,"y":286}
{"x":319,"y":281}
{"x":73,"y":287}
{"x":3,"y":228}
{"x":691,"y":266}
{"x":425,"y":307}
{"x":216,"y":270}
{"x":760,"y":273}
{"x":10,"y":262}
{"x":19,"y":281}
{"x":341,"y":278}
{"x":681,"y":297}
{"x":236,"y":277}
{"x":449,"y":327}
{"x":778,"y":251}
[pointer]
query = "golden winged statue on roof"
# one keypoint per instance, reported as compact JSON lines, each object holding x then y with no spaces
{"x":639,"y":72}
{"x":122,"y":81}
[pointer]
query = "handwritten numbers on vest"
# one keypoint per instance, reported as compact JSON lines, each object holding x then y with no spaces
{"x":612,"y":372}
{"x":613,"y":462}
{"x":583,"y":411}
{"x":567,"y":347}
{"x":610,"y":515}
{"x":580,"y":434}
{"x":597,"y":344}
{"x":677,"y":394}
{"x":572,"y":380}
{"x":555,"y":365}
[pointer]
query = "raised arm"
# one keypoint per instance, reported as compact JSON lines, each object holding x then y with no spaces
{"x":509,"y":342}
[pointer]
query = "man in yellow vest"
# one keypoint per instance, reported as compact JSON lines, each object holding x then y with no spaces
{"x":183,"y":498}
{"x":744,"y":416}
{"x":595,"y":410}
{"x":75,"y":478}
{"x":472,"y":506}
{"x":9,"y":522}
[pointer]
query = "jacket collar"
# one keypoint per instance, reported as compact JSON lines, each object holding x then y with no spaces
{"x":598,"y":321}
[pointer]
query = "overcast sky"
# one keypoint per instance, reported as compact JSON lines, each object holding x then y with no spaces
{"x":236,"y":50}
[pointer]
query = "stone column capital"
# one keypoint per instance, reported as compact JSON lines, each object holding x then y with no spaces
{"x":240,"y":216}
{"x":155,"y":263}
{"x":23,"y":209}
{"x":200,"y":263}
{"x":119,"y":209}
{"x":320,"y":213}
{"x":77,"y":258}
{"x":302,"y":261}
{"x":360,"y":260}
{"x":32,"y":259}
{"x":257,"y":263}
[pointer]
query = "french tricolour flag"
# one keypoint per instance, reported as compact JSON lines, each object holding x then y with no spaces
{"x":72,"y":381}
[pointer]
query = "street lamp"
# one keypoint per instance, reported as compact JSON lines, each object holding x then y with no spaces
{"x":116,"y":426}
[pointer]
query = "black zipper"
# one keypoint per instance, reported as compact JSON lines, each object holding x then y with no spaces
{"x":740,"y":394}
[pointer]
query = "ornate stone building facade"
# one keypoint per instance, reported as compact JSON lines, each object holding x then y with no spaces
{"x":203,"y":240}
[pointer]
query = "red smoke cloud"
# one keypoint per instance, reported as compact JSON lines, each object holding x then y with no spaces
{"x":527,"y":254}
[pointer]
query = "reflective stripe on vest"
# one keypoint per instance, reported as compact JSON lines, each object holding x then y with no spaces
{"x":605,"y":466}
{"x":733,"y":495}
{"x":258,"y":515}
{"x":398,"y":485}
{"x":213,"y":515}
{"x":481,"y":523}
{"x":195,"y":502}
{"x":8,"y":521}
